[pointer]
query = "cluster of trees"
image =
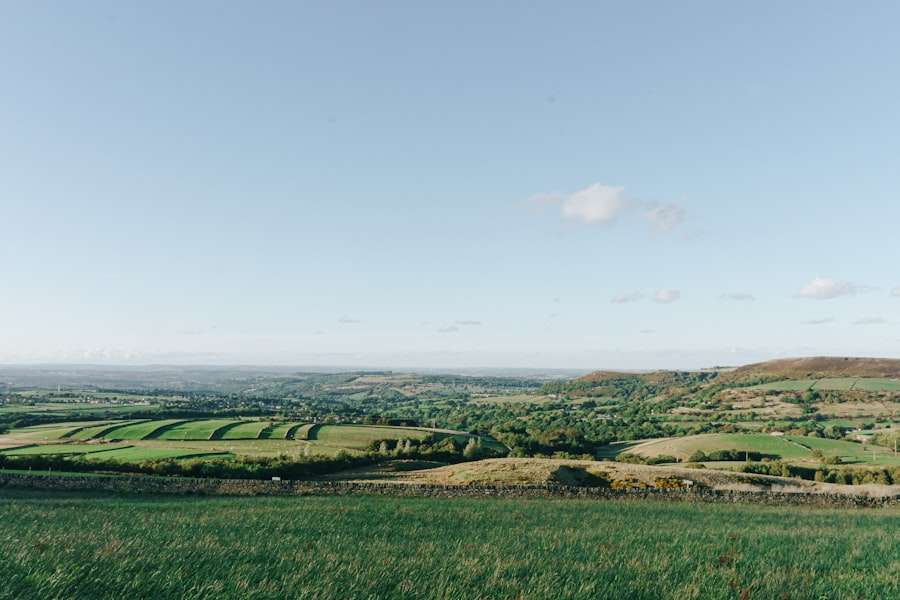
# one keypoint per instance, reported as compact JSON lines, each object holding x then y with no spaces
{"x":448,"y":449}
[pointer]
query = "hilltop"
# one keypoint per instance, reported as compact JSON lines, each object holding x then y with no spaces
{"x":817,"y":367}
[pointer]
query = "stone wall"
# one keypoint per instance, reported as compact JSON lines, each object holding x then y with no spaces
{"x":126,"y":484}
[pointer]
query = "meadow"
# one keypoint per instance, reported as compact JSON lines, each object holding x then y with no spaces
{"x":791,"y":448}
{"x":60,"y":545}
{"x":191,"y":438}
{"x":868,"y":384}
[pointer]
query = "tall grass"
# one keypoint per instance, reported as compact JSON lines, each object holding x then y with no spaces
{"x":90,"y":546}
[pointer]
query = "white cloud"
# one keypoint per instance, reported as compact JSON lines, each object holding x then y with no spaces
{"x":739,"y":297}
{"x":600,"y":204}
{"x":895,"y":292}
{"x":870,"y":321}
{"x":824,"y":321}
{"x":596,"y":203}
{"x":469,"y":323}
{"x":825,"y":288}
{"x":348,"y":320}
{"x":665,"y":218}
{"x":448,"y":329}
{"x":666,"y":296}
{"x":627,"y":297}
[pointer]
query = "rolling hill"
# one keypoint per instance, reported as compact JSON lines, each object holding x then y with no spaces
{"x":817,"y":367}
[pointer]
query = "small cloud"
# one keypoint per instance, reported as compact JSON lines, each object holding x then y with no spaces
{"x":627,"y":298}
{"x":739,"y":297}
{"x":647,"y":331}
{"x":870,"y":321}
{"x":895,"y":292}
{"x":318,"y":332}
{"x":825,"y":288}
{"x":600,"y":204}
{"x":594,"y":204}
{"x":469,"y":323}
{"x":824,"y":321}
{"x":448,"y":329}
{"x":665,"y":218}
{"x":348,"y":320}
{"x":666,"y":296}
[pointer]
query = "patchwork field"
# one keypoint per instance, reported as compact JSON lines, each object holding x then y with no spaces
{"x":377,"y":547}
{"x":281,"y":431}
{"x":181,"y":438}
{"x":142,"y":430}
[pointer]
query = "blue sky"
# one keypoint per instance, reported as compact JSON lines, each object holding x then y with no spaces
{"x":473,"y":184}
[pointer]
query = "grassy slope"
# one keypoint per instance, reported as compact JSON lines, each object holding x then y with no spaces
{"x":135,"y":453}
{"x":194,"y":430}
{"x":360,"y":436}
{"x":707,"y":442}
{"x":248,"y":430}
{"x":58,"y":449}
{"x":65,"y":545}
{"x":141,"y":430}
{"x":791,"y":448}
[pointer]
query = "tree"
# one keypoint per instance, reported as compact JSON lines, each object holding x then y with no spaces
{"x":472,"y":450}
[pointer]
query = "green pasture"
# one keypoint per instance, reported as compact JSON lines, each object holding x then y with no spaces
{"x":868,"y":384}
{"x":193,"y":430}
{"x":360,"y":436}
{"x":57,"y":449}
{"x":66,"y":545}
{"x":142,"y":453}
{"x":245,"y":430}
{"x":280,"y":431}
{"x":143,"y":430}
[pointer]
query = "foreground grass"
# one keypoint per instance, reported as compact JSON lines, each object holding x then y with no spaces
{"x":90,"y":546}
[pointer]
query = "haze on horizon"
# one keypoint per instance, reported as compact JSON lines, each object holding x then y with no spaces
{"x":468,"y":185}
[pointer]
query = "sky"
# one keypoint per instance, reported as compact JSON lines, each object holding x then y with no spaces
{"x":467,"y":184}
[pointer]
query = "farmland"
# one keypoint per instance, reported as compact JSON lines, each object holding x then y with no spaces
{"x":182,"y":438}
{"x":873,"y":384}
{"x":367,"y":547}
{"x":791,"y":448}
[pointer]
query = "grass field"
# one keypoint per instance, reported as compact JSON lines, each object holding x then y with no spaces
{"x":137,"y":454}
{"x":57,"y":449}
{"x":360,"y":436}
{"x":792,"y":448}
{"x":140,"y":431}
{"x":70,"y":545}
{"x":247,"y":430}
{"x":192,"y":430}
{"x":868,"y":384}
{"x":279,"y":431}
{"x":708,"y":442}
{"x":99,"y":431}
{"x":232,"y":436}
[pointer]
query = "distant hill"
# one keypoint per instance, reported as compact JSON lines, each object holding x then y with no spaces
{"x":598,"y":376}
{"x":656,"y":378}
{"x":817,"y":367}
